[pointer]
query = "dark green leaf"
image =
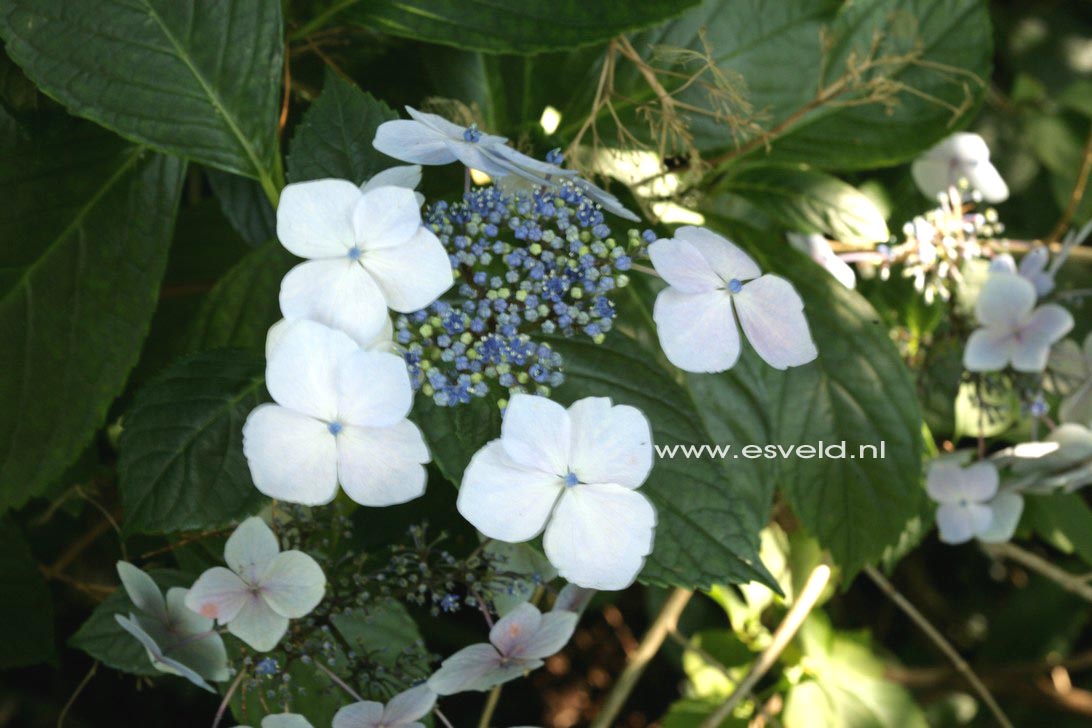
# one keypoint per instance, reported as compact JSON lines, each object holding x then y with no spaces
{"x":1064,"y":520}
{"x":181,"y":464}
{"x":454,"y":434}
{"x":92,"y":218}
{"x":26,"y":611}
{"x":198,"y":79}
{"x":245,"y":206}
{"x":385,"y":635}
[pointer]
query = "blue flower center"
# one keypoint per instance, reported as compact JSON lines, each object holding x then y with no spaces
{"x":355,"y":253}
{"x":570,"y":480}
{"x":334,"y":428}
{"x":472,"y":134}
{"x":735,"y":286}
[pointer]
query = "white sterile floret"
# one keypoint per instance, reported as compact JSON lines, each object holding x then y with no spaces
{"x":283,"y":720}
{"x":970,"y":504}
{"x":404,"y":710}
{"x":383,"y":340}
{"x":818,"y":249}
{"x":262,"y":590}
{"x":367,"y":252}
{"x":339,"y":417}
{"x":518,"y":643}
{"x":178,"y":640}
{"x":575,"y":473}
{"x":962,"y":156}
{"x":710,"y":283}
{"x":1013,"y":331}
{"x":1033,"y":267}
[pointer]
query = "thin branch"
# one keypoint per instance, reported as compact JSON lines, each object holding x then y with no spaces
{"x":341,"y":683}
{"x":1077,"y":194}
{"x":76,"y":693}
{"x":1072,"y":583}
{"x":227,"y":698}
{"x":442,"y":718}
{"x":490,"y":707}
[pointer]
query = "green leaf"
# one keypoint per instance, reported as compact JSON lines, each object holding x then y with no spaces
{"x":454,"y":434}
{"x":102,"y":638}
{"x":1064,"y":520}
{"x":181,"y":463}
{"x":26,"y":611}
{"x":807,"y":201}
{"x":518,"y":26}
{"x":334,"y":138}
{"x":386,"y":636}
{"x":92,"y":218}
{"x":198,"y":79}
{"x":245,"y":206}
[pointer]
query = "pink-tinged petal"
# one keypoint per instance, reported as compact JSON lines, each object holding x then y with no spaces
{"x":771,"y":314}
{"x":683,"y":266}
{"x":411,"y":141}
{"x":600,"y":534}
{"x":142,"y":590}
{"x":184,"y":621}
{"x":536,"y":433}
{"x":409,"y":706}
{"x":413,"y":274}
{"x":293,"y":584}
{"x":504,"y":499}
{"x":382,"y":466}
{"x":196,"y":645}
{"x":314,"y":219}
{"x":385,"y":216}
{"x":573,"y":598}
{"x":477,"y":667}
{"x":610,"y":444}
{"x":258,"y":625}
{"x":302,"y":373}
{"x":511,"y":632}
{"x":365,"y":714}
{"x":218,"y":594}
{"x":960,"y":522}
{"x":407,"y":175}
{"x":292,"y":457}
{"x":339,"y":293}
{"x":988,"y":350}
{"x":1005,"y":301}
{"x":373,"y":388}
{"x":553,"y":633}
{"x":725,"y":257}
{"x":1005,"y":512}
{"x":250,"y":548}
{"x":697,"y":331}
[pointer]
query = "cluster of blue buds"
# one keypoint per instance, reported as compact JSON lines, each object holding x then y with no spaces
{"x":536,"y":261}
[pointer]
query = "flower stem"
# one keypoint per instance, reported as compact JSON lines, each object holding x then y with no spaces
{"x":341,"y":683}
{"x":227,"y":698}
{"x":490,"y":707}
{"x":1072,"y":583}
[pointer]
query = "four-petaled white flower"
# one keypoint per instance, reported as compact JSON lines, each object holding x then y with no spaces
{"x":818,"y":249}
{"x":382,"y":341}
{"x":404,"y":710}
{"x":1013,"y":330}
{"x":574,"y":473}
{"x":283,"y":720}
{"x":367,"y":251}
{"x":262,"y":590}
{"x":178,"y":640}
{"x":339,"y":417}
{"x":962,"y":156}
{"x":970,"y":504}
{"x":707,"y":278}
{"x":518,"y":643}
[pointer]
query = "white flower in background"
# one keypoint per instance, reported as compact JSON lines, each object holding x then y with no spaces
{"x":818,"y":249}
{"x":962,"y":156}
{"x":178,"y":640}
{"x":1061,"y":461}
{"x":407,"y":176}
{"x":339,"y":417}
{"x":1013,"y":330}
{"x":575,"y":473}
{"x":710,"y":283}
{"x":1033,"y":267}
{"x":367,"y":251}
{"x":432,"y":139}
{"x":404,"y":710}
{"x":1077,"y":405}
{"x":573,"y":598}
{"x":262,"y":590}
{"x":284,"y":720}
{"x":383,"y":340}
{"x":970,"y":504}
{"x":518,"y":643}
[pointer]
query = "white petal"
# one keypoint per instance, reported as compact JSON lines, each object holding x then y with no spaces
{"x":979,"y":482}
{"x":409,"y":706}
{"x":771,"y":313}
{"x":285,"y":720}
{"x":1005,"y":511}
{"x":726,"y":258}
{"x":932,"y":176}
{"x":476,"y":667}
{"x":160,"y":661}
{"x":697,"y":331}
{"x":293,"y":584}
{"x":382,"y":466}
{"x":683,"y":266}
{"x":273,"y":337}
{"x":1003,"y":263}
{"x":1048,"y":324}
{"x":958,"y":523}
{"x":610,"y":444}
{"x":536,"y":433}
{"x":142,"y":590}
{"x":407,"y":175}
{"x":182,"y":619}
{"x":302,"y":373}
{"x":515,"y":629}
{"x":385,"y":216}
{"x":413,"y":274}
{"x":374,"y":389}
{"x":985,"y":178}
{"x":988,"y":350}
{"x":365,"y":714}
{"x":250,"y":549}
{"x":599,"y":535}
{"x":315,"y":219}
{"x":218,"y":594}
{"x":942,"y":482}
{"x":412,"y":141}
{"x":504,"y":499}
{"x":197,"y":646}
{"x":606,"y":200}
{"x":258,"y":625}
{"x":339,"y":293}
{"x":1035,"y":261}
{"x":1005,"y":301}
{"x":573,"y":598}
{"x":553,"y":633}
{"x":292,"y":457}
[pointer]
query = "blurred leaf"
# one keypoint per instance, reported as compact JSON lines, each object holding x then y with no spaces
{"x":1078,"y":97}
{"x":1064,"y":520}
{"x":181,"y":463}
{"x":198,"y":79}
{"x":1039,"y":621}
{"x":93,"y":218}
{"x":385,"y":635}
{"x":692,"y":712}
{"x":1059,"y":144}
{"x":720,"y":648}
{"x":26,"y":611}
{"x":245,"y":206}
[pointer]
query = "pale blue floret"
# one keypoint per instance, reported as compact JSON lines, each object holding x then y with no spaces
{"x":735,"y":286}
{"x":355,"y":253}
{"x":570,"y":480}
{"x":472,"y":134}
{"x":334,"y":428}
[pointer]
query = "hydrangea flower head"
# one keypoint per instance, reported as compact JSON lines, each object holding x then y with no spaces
{"x":262,"y":590}
{"x":1013,"y":331}
{"x":404,"y":710}
{"x":574,"y":473}
{"x":339,"y":417}
{"x":178,"y":640}
{"x":711,"y":282}
{"x":366,"y":251}
{"x":970,"y":504}
{"x":518,"y":643}
{"x":961,"y":156}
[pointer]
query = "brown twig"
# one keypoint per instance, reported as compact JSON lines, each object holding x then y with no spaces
{"x":1077,"y":194}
